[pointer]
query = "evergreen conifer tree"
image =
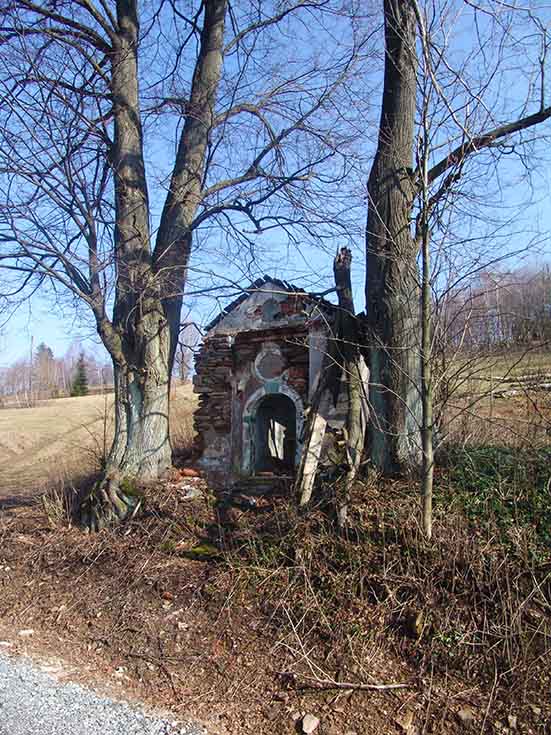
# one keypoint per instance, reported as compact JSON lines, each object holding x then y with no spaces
{"x":79,"y":386}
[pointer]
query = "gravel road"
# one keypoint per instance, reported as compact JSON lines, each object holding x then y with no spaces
{"x":32,"y":702}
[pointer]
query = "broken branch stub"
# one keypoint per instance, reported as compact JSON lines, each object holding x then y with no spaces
{"x":343,"y":363}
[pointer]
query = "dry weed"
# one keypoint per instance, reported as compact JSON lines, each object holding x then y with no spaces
{"x":58,"y":503}
{"x":181,"y":421}
{"x":470,"y":601}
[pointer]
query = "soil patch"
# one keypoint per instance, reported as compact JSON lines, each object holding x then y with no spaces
{"x":172,"y":609}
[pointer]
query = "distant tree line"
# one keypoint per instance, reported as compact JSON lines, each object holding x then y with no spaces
{"x":498,"y":308}
{"x":47,"y":376}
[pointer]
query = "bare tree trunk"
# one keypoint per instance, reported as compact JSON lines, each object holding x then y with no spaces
{"x":143,"y":337}
{"x":427,"y":468}
{"x":427,"y":422}
{"x":392,"y":283}
{"x":356,"y":377}
{"x":401,"y":429}
{"x":141,"y":449}
{"x":342,"y":360}
{"x":423,"y":238}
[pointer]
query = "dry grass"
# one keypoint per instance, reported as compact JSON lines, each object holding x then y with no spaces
{"x":523,"y":419}
{"x":501,"y":399}
{"x":254,"y":620}
{"x":182,"y":407}
{"x":480,"y":373}
{"x":64,"y":440}
{"x":60,"y":439}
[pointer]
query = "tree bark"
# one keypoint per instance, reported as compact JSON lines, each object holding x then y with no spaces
{"x":427,"y":398}
{"x":143,"y":337}
{"x":356,"y":377}
{"x":343,"y":363}
{"x":141,"y":449}
{"x":392,"y":282}
{"x":427,"y":425}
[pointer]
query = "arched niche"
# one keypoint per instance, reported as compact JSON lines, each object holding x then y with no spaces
{"x":272,"y":430}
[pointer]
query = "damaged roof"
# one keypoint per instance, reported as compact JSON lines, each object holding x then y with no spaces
{"x":257,"y":286}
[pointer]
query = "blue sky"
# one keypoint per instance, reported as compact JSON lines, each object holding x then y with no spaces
{"x":59,"y":326}
{"x":46,"y":320}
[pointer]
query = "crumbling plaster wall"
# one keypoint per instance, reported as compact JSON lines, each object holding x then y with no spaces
{"x":259,"y":348}
{"x":286,"y":351}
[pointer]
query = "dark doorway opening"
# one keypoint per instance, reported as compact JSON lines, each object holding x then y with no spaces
{"x":275,"y":435}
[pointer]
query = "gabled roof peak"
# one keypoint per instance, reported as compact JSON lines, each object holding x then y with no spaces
{"x":257,"y":286}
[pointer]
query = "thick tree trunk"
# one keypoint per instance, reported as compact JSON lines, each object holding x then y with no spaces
{"x":392,"y":282}
{"x":118,"y":446}
{"x":145,"y":408}
{"x":141,"y":449}
{"x":143,"y":336}
{"x":134,"y":339}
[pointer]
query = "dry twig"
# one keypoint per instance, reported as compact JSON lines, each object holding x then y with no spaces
{"x":307,"y":683}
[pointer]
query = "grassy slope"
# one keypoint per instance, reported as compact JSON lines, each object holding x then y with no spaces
{"x":486,"y":405}
{"x":64,"y":439}
{"x":480,"y":372}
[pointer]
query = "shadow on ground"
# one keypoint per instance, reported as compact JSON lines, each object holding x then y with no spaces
{"x":13,"y":502}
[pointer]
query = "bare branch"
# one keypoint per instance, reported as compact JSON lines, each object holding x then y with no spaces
{"x":484,"y":140}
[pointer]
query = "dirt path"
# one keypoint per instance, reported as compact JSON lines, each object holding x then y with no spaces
{"x":33,"y":701}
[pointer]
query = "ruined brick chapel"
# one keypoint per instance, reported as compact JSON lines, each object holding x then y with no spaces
{"x":255,"y":374}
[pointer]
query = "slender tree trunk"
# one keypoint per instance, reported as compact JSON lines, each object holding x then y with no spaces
{"x":427,"y":423}
{"x":423,"y":238}
{"x":427,"y":469}
{"x":392,"y":282}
